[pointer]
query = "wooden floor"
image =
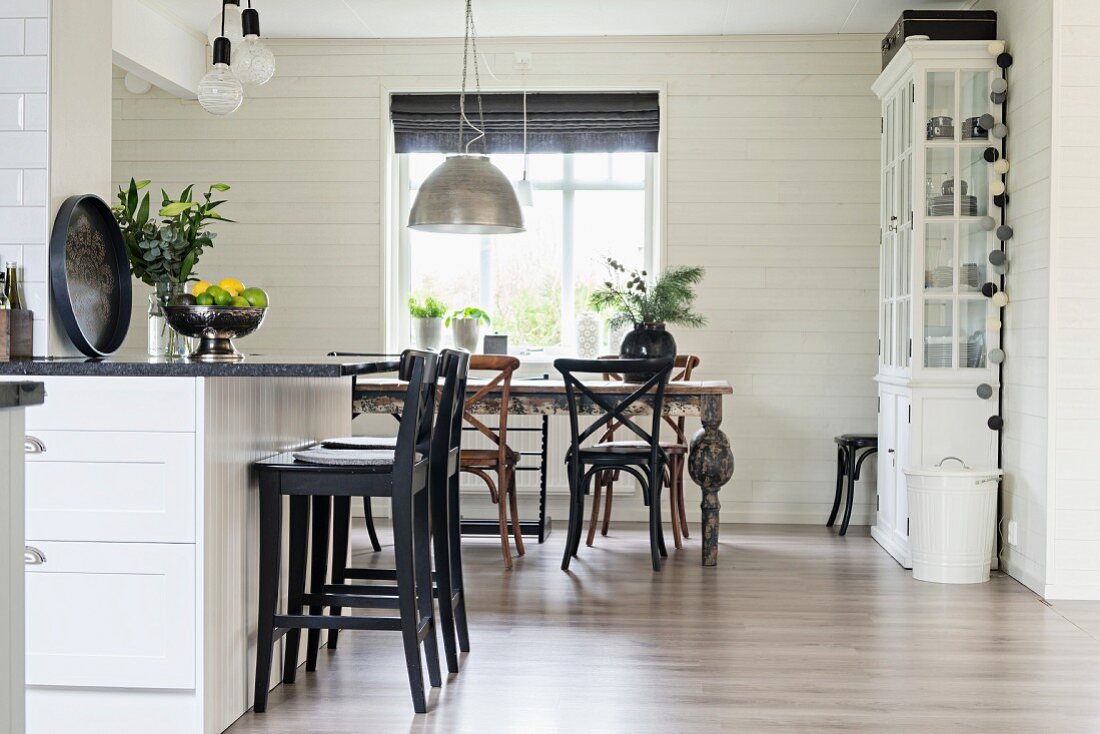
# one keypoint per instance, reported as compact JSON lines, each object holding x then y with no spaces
{"x":796,"y":630}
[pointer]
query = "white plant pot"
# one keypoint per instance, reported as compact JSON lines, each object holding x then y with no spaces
{"x":428,"y":333}
{"x":467,"y":334}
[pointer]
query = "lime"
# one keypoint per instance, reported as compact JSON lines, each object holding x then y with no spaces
{"x":204,"y":299}
{"x":255,"y":297}
{"x":214,"y":290}
{"x":239,"y":302}
{"x":223,"y":298}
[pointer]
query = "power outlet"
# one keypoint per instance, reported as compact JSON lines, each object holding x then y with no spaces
{"x":1013,"y":533}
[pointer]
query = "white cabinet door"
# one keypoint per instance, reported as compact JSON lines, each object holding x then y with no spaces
{"x":138,"y":404}
{"x":115,"y":487}
{"x":903,"y":462}
{"x":111,"y":615}
{"x":887,"y":474}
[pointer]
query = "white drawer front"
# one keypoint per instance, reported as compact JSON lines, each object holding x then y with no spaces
{"x":116,"y":487}
{"x":111,"y":615}
{"x":116,"y":404}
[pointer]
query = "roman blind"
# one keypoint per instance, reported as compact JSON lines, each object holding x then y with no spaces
{"x":556,"y":122}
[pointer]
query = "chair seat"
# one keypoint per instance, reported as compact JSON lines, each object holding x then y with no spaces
{"x":486,"y":458}
{"x":361,"y":442}
{"x":672,"y":447}
{"x":857,"y":440}
{"x":345,"y":457}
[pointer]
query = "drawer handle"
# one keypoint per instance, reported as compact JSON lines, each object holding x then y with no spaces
{"x":32,"y":556}
{"x":32,"y":445}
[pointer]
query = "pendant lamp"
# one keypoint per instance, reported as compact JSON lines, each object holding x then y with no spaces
{"x":230,"y":27}
{"x":467,"y":194}
{"x":220,"y":92}
{"x":525,"y":192}
{"x":253,"y":62}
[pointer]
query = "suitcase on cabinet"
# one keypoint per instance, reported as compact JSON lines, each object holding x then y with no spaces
{"x":939,"y":25}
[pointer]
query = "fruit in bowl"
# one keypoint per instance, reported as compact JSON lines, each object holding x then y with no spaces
{"x":228,"y":293}
{"x":217,"y":314}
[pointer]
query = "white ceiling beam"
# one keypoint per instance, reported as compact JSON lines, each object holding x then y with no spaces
{"x":151,"y":42}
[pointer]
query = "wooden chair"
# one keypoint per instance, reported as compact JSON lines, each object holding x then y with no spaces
{"x":677,"y":452}
{"x":500,"y":460}
{"x":643,"y":459}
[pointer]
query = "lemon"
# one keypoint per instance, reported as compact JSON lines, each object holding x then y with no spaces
{"x":200,"y":288}
{"x":232,"y":285}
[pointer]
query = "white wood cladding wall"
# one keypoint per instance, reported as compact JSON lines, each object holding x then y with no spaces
{"x":771,"y":182}
{"x":1026,"y":25}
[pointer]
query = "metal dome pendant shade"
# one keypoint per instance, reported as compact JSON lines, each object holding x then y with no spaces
{"x":467,"y":194}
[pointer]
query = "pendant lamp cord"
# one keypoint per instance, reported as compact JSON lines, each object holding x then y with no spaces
{"x":525,"y":128}
{"x":470,"y":42}
{"x":224,"y":3}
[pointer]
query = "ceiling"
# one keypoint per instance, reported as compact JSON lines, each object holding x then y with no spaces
{"x":501,"y":18}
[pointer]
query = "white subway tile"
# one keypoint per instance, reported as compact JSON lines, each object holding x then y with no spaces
{"x":11,"y":187}
{"x":35,"y":112}
{"x":11,"y":37}
{"x":34,"y":187}
{"x":22,"y":224}
{"x":23,"y":150}
{"x":24,"y":8}
{"x":36,"y":38}
{"x":38,"y":335}
{"x":35,"y":296}
{"x":11,"y":252}
{"x":11,"y":111}
{"x":23,"y":73}
{"x":36,"y":262}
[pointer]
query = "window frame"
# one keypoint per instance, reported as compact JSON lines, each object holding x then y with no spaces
{"x":568,"y":185}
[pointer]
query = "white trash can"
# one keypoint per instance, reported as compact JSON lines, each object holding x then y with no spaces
{"x":952,"y":516}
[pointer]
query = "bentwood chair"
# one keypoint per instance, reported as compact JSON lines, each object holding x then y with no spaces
{"x":496,"y":466}
{"x":677,"y":452}
{"x":320,"y":474}
{"x":645,"y":460}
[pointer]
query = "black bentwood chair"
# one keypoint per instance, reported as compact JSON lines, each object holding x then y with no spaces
{"x":322,"y":474}
{"x":646,"y":461}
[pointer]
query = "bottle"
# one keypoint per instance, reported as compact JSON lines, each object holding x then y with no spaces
{"x":11,"y":289}
{"x":4,"y":305}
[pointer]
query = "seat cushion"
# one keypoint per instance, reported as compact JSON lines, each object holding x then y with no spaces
{"x":361,"y":442}
{"x":344,"y":457}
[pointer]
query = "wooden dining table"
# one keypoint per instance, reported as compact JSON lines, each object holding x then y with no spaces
{"x":710,"y":462}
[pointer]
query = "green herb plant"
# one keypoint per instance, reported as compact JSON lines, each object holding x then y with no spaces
{"x":430,"y":308}
{"x":633,"y":297}
{"x":165,"y":252}
{"x":470,"y":312}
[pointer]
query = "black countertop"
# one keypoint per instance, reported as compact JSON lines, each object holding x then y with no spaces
{"x":21,"y":394}
{"x":137,"y":364}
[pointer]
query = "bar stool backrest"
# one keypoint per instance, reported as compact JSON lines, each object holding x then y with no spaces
{"x":419,"y":369}
{"x":617,"y":409}
{"x":454,"y":367}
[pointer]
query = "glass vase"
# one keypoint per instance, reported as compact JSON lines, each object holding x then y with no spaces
{"x":164,"y":341}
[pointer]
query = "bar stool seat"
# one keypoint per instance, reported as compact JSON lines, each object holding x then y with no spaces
{"x":852,"y":450}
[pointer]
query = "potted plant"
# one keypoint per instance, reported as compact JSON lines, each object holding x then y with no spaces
{"x":427,"y":322}
{"x":650,"y":304}
{"x":465,"y":326}
{"x":164,"y":254}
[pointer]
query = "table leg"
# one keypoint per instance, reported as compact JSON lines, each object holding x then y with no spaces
{"x":711,"y":467}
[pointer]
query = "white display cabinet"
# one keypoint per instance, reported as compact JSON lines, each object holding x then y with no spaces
{"x":935,"y":243}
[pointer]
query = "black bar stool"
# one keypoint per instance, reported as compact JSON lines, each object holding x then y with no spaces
{"x":323,"y":474}
{"x":852,"y":450}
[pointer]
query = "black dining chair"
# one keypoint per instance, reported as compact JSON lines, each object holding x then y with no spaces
{"x":644,"y":459}
{"x":319,"y":475}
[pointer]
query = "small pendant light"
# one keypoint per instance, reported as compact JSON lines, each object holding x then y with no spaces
{"x":253,"y":62}
{"x":525,"y":192}
{"x":467,"y":194}
{"x":220,"y":92}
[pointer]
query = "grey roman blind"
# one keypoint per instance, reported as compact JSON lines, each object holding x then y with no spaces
{"x":556,"y":123}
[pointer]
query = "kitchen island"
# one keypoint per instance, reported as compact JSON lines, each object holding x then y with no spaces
{"x":139,"y":495}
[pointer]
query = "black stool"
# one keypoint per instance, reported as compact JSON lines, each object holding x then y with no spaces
{"x":852,"y":449}
{"x":404,"y":480}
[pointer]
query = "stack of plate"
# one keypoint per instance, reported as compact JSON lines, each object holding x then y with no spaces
{"x":941,"y":277}
{"x":937,"y":351}
{"x":944,"y":206}
{"x":970,"y":276}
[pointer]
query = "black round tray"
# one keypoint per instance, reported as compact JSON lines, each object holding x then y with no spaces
{"x":90,"y":275}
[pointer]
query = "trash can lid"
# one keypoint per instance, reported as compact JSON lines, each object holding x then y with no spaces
{"x":958,"y":468}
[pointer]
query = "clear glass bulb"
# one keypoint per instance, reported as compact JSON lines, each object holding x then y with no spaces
{"x":233,"y":29}
{"x":220,"y":92}
{"x":253,"y":62}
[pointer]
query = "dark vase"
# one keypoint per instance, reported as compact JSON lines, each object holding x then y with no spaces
{"x":647,"y":341}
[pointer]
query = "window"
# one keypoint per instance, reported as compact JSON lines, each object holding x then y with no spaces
{"x":588,"y":206}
